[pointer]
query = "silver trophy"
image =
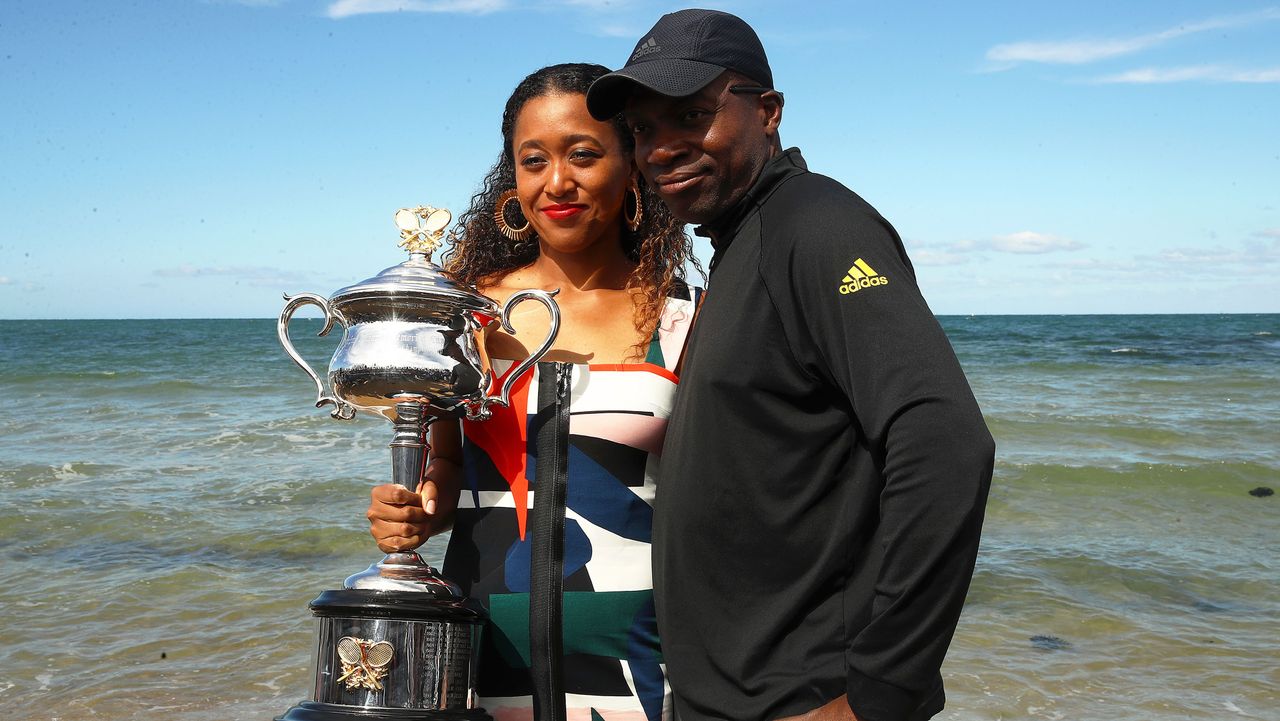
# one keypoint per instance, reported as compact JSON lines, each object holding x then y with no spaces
{"x":399,"y":640}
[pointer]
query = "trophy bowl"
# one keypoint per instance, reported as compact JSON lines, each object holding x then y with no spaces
{"x":399,"y":641}
{"x":411,"y":333}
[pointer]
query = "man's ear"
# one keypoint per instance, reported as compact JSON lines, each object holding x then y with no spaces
{"x":771,"y":111}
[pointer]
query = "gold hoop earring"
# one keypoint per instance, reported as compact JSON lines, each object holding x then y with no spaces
{"x":500,"y":218}
{"x":633,"y":221}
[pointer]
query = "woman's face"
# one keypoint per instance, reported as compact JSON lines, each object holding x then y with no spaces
{"x":571,"y":172}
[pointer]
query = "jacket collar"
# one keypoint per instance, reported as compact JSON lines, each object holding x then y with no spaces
{"x":722,"y":230}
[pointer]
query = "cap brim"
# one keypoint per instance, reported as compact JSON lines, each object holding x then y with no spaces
{"x":673,"y":77}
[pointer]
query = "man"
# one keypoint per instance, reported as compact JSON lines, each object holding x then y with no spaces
{"x":826,"y":466}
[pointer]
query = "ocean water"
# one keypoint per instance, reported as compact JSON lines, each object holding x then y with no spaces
{"x":170,"y":502}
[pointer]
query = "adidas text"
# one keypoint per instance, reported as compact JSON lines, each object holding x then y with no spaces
{"x":859,"y":276}
{"x":861,"y":283}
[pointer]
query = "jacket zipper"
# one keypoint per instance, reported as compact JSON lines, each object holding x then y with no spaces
{"x":546,"y":585}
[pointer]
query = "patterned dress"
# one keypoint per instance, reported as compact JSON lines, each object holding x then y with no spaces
{"x":581,"y":550}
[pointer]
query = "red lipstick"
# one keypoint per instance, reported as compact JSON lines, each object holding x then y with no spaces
{"x":560,"y":211}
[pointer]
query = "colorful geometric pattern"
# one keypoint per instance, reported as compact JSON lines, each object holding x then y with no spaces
{"x":613,"y":669}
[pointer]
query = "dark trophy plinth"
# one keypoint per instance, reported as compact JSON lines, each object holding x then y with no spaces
{"x":399,"y":641}
{"x":436,"y":641}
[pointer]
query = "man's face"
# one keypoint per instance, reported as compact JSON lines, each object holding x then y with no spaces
{"x":702,"y":153}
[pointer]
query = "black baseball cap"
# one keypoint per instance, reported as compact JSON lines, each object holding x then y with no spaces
{"x":683,"y":52}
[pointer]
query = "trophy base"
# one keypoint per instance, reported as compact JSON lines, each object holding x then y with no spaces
{"x":393,"y":655}
{"x":313,"y":711}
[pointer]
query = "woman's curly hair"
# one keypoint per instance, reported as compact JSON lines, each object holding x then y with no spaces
{"x":481,"y":255}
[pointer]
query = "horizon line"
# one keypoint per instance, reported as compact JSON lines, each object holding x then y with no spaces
{"x":936,"y":315}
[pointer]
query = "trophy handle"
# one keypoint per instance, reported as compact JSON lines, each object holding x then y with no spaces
{"x":480,"y":411}
{"x":341,"y":409}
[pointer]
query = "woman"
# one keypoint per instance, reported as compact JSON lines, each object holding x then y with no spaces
{"x":551,"y":499}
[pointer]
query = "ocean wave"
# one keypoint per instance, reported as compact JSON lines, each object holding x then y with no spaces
{"x":35,"y":475}
{"x":67,"y":472}
{"x":45,"y":375}
{"x":1151,"y":484}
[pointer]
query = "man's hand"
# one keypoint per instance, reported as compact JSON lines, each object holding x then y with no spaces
{"x":837,"y":709}
{"x":401,"y":520}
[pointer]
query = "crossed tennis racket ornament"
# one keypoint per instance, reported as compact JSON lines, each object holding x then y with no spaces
{"x":364,"y":663}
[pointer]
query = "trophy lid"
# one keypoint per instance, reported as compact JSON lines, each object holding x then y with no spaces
{"x":421,"y":230}
{"x":404,"y":571}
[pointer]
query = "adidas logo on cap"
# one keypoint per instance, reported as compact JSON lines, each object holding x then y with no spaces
{"x":647,"y":47}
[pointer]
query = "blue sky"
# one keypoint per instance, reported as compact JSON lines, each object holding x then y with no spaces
{"x":180,"y":158}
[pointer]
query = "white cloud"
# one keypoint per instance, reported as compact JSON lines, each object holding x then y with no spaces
{"x":250,"y":3}
{"x":1066,"y":52}
{"x":1205,"y":73}
{"x":1097,"y":264}
{"x":924,"y":253}
{"x":939,"y":257}
{"x":1028,"y":241}
{"x":24,"y":286}
{"x":1251,"y":258}
{"x":347,"y":8}
{"x":248,"y":274}
{"x":1076,"y":52}
{"x":1250,"y":255}
{"x":1269,"y":233}
{"x":615,"y":30}
{"x":959,"y":252}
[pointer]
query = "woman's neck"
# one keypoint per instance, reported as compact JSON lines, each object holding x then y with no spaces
{"x":601,"y":266}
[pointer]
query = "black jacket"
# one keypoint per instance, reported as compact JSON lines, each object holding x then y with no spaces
{"x":825,"y":470}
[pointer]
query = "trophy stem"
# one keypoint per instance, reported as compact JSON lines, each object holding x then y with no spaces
{"x":405,"y":570}
{"x":409,"y":447}
{"x":409,"y":451}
